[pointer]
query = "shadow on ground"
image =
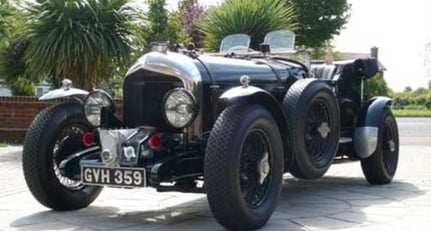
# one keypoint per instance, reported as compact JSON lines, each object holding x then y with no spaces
{"x":327,"y":203}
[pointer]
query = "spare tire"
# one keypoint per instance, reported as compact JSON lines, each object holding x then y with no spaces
{"x":313,"y":117}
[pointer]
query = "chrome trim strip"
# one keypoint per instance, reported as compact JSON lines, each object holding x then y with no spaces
{"x":172,"y":64}
{"x":365,"y":141}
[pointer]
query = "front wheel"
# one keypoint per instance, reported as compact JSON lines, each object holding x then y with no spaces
{"x":243,"y":167}
{"x":381,"y":166}
{"x":54,"y":135}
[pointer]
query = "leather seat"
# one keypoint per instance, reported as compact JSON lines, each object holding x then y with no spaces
{"x":324,"y":71}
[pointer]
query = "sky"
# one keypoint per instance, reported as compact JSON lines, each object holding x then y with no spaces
{"x":400,"y":29}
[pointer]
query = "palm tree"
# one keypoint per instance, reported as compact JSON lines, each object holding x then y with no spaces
{"x":255,"y":18}
{"x":83,"y":40}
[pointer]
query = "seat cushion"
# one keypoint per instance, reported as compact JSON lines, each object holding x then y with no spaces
{"x":324,"y":71}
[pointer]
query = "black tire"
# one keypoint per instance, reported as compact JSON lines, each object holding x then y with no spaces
{"x":242,"y":182}
{"x":381,"y":166}
{"x":53,"y":135}
{"x":313,"y":116}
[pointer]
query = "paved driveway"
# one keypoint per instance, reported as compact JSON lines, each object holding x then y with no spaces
{"x":341,"y":200}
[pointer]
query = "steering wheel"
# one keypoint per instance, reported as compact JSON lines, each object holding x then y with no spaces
{"x":293,"y":62}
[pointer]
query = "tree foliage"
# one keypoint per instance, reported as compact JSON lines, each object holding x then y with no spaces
{"x":184,"y":4}
{"x":176,"y":33}
{"x":157,"y":28}
{"x":13,"y":68}
{"x":192,"y":12}
{"x":376,"y":86}
{"x":12,"y":62}
{"x":9,"y":16}
{"x":179,"y":26}
{"x":13,"y":44}
{"x":22,"y":87}
{"x":319,"y":20}
{"x":84,"y":40}
{"x":255,"y":18}
{"x":3,"y":13}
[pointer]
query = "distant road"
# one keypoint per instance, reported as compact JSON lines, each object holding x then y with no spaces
{"x":414,"y":131}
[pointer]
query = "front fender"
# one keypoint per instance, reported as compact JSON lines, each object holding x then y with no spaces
{"x":255,"y":95}
{"x":65,"y":91}
{"x":367,"y":127}
{"x":241,"y":95}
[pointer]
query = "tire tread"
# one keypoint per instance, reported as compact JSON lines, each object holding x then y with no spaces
{"x":293,"y":104}
{"x":49,"y":193}
{"x":226,"y":203}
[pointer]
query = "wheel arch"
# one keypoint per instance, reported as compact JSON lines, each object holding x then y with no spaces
{"x":255,"y":95}
{"x":365,"y":138}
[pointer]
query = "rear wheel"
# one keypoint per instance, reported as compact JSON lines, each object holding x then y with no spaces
{"x":381,"y":166}
{"x":54,"y":135}
{"x":313,"y":117}
{"x":243,"y":167}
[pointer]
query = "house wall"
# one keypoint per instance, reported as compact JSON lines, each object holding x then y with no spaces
{"x":4,"y":91}
{"x":17,"y":113}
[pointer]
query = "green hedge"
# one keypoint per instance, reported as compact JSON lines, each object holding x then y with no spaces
{"x":413,"y":100}
{"x":412,"y":113}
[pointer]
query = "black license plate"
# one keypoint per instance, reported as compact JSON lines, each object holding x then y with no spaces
{"x":122,"y":177}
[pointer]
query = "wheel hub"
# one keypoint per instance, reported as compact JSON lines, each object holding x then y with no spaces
{"x":391,"y":145}
{"x":263,"y":168}
{"x":324,"y":129}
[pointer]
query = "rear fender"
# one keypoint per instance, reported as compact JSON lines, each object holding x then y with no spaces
{"x":254,"y":95}
{"x":367,"y":126}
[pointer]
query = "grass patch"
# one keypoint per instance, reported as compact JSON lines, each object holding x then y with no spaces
{"x":412,"y":113}
{"x":3,"y":144}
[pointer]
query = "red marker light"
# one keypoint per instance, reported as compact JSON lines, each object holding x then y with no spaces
{"x":155,"y":142}
{"x":87,"y":139}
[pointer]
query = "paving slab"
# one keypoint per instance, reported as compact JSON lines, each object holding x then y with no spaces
{"x":341,"y":200}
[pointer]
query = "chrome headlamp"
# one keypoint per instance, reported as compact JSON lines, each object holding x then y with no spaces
{"x":179,"y":107}
{"x":93,"y":104}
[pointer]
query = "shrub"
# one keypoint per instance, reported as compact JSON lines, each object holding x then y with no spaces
{"x":255,"y":18}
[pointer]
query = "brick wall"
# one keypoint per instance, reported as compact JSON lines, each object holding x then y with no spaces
{"x":17,"y":113}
